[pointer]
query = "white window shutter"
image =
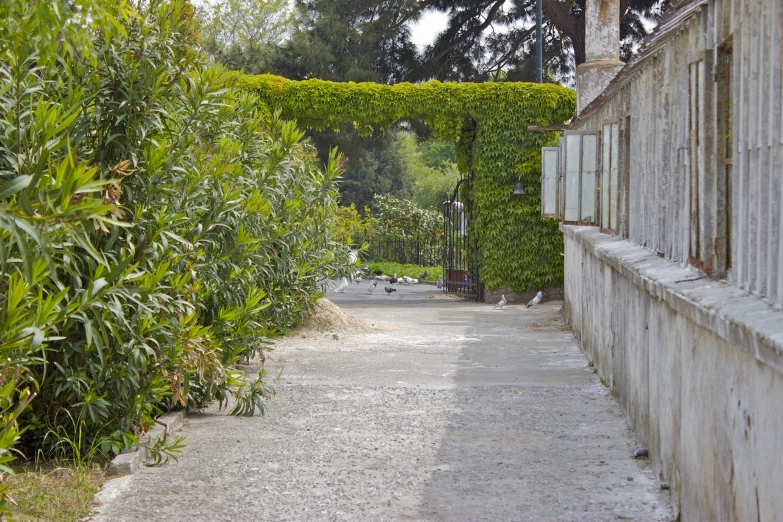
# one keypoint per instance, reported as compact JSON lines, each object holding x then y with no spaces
{"x":573,"y":161}
{"x":608,"y":186}
{"x":614,"y":204}
{"x":581,"y":205}
{"x":561,"y":180}
{"x":549,"y":179}
{"x":587,"y":207}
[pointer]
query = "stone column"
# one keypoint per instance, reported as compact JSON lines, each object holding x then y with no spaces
{"x":602,"y":50}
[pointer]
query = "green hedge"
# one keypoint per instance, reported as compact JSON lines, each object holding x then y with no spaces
{"x":488,"y":122}
{"x":154,"y":228}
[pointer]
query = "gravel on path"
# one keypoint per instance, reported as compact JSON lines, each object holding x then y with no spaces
{"x":434,"y":409}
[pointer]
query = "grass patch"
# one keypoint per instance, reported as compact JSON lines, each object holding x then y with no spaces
{"x":433,"y":272}
{"x":53,"y":493}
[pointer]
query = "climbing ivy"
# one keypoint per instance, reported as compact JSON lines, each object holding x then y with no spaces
{"x":489,"y":123}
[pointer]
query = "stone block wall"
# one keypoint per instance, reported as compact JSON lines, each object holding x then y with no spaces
{"x":697,"y":366}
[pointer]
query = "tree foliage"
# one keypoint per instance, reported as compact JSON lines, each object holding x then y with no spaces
{"x":489,"y":124}
{"x":351,"y":226}
{"x":381,"y":163}
{"x":403,"y":219}
{"x":245,"y":35}
{"x":471,"y":48}
{"x":351,"y":40}
{"x":433,"y":172}
{"x":155,"y":227}
{"x":370,"y":40}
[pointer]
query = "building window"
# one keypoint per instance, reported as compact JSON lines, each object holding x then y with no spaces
{"x":724,"y":154}
{"x":625,"y":182}
{"x":696,"y":146}
{"x":608,"y":187}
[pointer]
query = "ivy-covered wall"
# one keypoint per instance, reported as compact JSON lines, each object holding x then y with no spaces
{"x":489,"y":122}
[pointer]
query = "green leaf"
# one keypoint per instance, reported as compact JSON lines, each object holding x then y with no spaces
{"x":15,"y":185}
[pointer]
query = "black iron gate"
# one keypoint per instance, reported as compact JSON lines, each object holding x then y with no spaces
{"x":460,"y":257}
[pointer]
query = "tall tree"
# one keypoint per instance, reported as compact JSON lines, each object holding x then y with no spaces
{"x":502,"y":34}
{"x":357,"y":40}
{"x":381,"y":164}
{"x":245,"y":34}
{"x":351,"y":40}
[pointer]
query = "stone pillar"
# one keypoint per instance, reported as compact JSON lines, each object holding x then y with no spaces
{"x":602,"y":50}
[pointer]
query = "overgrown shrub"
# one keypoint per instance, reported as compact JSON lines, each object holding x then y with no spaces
{"x":351,"y":227}
{"x":400,"y":232}
{"x":155,"y":227}
{"x":403,"y":219}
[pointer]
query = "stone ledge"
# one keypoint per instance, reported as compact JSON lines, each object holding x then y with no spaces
{"x":129,"y":462}
{"x":730,"y":312}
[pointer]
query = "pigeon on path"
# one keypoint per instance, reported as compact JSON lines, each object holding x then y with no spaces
{"x":537,"y":299}
{"x":389,"y":290}
{"x":358,"y":280}
{"x":375,"y":282}
{"x":342,"y":288}
{"x":371,"y":288}
{"x":393,"y":279}
{"x":423,"y":275}
{"x":501,"y":303}
{"x":440,"y":282}
{"x":407,"y":280}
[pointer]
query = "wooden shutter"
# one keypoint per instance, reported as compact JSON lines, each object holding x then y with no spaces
{"x":580,"y":187}
{"x":549,"y":180}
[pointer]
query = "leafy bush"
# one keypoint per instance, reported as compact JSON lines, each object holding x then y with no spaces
{"x":402,"y":218}
{"x":351,"y":227}
{"x":155,"y":227}
{"x":389,"y":268}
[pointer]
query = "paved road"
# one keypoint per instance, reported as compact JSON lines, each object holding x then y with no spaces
{"x":438,"y":410}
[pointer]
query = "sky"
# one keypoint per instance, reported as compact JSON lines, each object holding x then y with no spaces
{"x":429,"y":25}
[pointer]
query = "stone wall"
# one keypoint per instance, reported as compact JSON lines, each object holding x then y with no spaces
{"x":697,"y":366}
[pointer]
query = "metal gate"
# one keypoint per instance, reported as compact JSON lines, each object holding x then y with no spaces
{"x":460,"y":257}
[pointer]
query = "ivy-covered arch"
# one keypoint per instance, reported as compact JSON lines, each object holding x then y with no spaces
{"x":489,"y":123}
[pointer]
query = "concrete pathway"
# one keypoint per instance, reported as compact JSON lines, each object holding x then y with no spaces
{"x":440,"y":410}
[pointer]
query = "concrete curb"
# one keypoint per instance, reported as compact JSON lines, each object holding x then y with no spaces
{"x":129,"y":462}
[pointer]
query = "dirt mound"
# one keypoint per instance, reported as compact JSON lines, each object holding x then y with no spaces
{"x":329,"y":317}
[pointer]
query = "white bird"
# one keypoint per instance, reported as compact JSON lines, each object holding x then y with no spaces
{"x":537,"y":299}
{"x":342,"y":288}
{"x":501,"y":303}
{"x":375,"y":282}
{"x":407,"y":280}
{"x":358,"y":280}
{"x":440,"y":282}
{"x":371,"y":288}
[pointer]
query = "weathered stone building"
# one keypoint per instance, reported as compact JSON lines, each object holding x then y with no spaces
{"x":669,"y":185}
